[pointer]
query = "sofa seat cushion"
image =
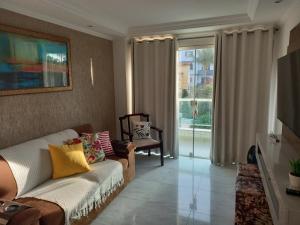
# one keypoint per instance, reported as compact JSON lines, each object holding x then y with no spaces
{"x":145,"y":142}
{"x":51,"y":213}
{"x":123,"y":161}
{"x":80,"y":194}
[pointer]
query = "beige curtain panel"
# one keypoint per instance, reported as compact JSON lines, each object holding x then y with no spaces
{"x":154,"y":90}
{"x":242,"y":85}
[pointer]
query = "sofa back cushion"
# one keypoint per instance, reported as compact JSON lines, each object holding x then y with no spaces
{"x":30,"y":162}
{"x":59,"y":138}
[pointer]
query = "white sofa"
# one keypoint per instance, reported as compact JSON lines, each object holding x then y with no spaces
{"x":31,"y":166}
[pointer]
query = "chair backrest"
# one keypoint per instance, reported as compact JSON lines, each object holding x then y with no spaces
{"x":126,"y":123}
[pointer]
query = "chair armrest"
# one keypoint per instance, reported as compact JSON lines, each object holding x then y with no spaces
{"x":160,"y":131}
{"x":157,"y":129}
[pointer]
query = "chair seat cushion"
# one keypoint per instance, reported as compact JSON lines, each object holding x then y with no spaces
{"x":145,"y":142}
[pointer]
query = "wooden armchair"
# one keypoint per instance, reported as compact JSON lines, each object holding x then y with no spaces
{"x":141,"y":144}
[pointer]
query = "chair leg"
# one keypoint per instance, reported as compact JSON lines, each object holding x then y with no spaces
{"x":161,"y":154}
{"x":149,"y":152}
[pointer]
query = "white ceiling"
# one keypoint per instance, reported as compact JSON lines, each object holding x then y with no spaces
{"x":111,"y":18}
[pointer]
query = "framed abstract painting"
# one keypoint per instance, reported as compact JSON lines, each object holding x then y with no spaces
{"x":32,"y":62}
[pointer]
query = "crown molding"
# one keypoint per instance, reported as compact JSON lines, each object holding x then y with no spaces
{"x":189,"y":24}
{"x":110,"y":34}
{"x":14,"y":8}
{"x":252,"y":7}
{"x":118,"y":29}
{"x":196,"y":34}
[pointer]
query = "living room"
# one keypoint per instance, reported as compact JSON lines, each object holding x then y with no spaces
{"x":145,"y":112}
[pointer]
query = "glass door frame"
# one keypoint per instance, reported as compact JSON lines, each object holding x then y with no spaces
{"x":194,"y":48}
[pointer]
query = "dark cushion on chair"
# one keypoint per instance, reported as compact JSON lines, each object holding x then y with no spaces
{"x":145,"y":142}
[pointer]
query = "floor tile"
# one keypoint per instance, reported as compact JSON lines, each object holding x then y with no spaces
{"x":185,"y":191}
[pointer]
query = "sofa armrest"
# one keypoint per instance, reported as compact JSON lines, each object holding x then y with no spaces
{"x":29,"y":216}
{"x":15,"y":213}
{"x":126,"y":150}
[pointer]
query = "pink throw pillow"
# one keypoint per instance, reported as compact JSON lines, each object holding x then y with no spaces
{"x":105,"y":143}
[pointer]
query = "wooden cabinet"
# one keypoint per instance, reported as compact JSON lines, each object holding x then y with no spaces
{"x":273,"y":161}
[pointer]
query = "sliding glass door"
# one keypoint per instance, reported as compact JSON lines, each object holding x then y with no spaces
{"x":195,"y":72}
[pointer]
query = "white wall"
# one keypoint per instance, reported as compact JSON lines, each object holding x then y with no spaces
{"x":287,"y":22}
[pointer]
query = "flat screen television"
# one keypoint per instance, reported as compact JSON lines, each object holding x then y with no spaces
{"x":288,"y":103}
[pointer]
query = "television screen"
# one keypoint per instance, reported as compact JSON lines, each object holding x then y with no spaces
{"x":288,"y":105}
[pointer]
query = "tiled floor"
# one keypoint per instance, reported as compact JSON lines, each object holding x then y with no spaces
{"x":184,"y":192}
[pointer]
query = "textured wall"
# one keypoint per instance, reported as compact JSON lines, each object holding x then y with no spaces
{"x":23,"y":117}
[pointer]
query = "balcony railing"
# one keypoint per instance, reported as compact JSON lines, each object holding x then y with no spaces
{"x":203,"y":116}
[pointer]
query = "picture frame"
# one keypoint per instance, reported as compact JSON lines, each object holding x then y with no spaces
{"x":33,"y":62}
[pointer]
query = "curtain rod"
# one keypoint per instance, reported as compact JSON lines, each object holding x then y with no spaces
{"x":151,"y":40}
{"x":250,"y":30}
{"x":228,"y":32}
{"x":190,"y":38}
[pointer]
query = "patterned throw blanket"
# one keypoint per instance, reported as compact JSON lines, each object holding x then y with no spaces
{"x":78,"y":195}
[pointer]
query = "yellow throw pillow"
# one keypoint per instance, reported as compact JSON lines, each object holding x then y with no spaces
{"x":68,"y":160}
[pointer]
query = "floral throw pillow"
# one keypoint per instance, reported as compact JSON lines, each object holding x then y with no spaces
{"x":141,"y":130}
{"x":91,"y":148}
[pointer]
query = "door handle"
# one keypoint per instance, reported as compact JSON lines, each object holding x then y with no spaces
{"x":194,"y":105}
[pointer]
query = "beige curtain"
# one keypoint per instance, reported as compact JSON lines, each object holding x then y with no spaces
{"x":154,"y":90}
{"x":242,"y":85}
